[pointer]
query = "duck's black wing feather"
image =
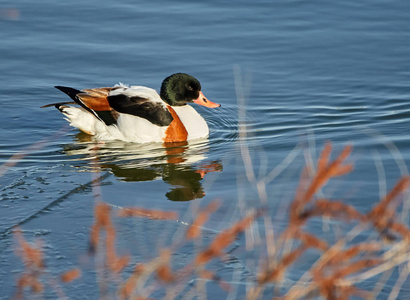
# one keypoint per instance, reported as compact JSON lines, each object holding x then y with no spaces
{"x":155,"y":112}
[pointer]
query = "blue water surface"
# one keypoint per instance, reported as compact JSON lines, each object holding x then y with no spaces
{"x":289,"y":74}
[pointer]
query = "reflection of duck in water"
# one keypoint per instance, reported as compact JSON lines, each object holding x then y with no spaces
{"x":138,"y":114}
{"x":182,"y":165}
{"x":185,"y":180}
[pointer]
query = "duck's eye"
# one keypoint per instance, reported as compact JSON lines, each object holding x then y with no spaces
{"x":190,"y":88}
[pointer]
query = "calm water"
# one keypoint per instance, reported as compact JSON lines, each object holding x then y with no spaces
{"x":310,"y":72}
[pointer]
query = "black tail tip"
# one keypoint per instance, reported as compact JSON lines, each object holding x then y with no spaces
{"x":72,"y":93}
{"x":61,"y":88}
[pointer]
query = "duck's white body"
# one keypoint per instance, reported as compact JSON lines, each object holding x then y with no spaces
{"x":135,"y":129}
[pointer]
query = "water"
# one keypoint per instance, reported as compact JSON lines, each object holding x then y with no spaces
{"x":311,"y":72}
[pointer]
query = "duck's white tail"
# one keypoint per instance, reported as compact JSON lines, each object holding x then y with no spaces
{"x":79,"y":118}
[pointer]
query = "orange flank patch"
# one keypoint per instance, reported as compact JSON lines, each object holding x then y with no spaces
{"x":176,"y":131}
{"x":96,"y":99}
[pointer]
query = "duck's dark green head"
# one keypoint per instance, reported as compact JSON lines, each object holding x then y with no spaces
{"x":180,"y":89}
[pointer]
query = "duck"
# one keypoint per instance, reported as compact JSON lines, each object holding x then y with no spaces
{"x":139,"y":114}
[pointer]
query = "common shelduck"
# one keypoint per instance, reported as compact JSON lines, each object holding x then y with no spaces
{"x":137,"y":113}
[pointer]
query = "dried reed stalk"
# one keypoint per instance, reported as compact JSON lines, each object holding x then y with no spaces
{"x":332,"y":276}
{"x":224,"y":239}
{"x":33,"y":260}
{"x":164,"y":272}
{"x":102,"y":213}
{"x":194,"y":230}
{"x":70,"y":275}
{"x":128,"y":287}
{"x":325,"y":171}
{"x":35,"y":270}
{"x":147,"y":213}
{"x":336,"y":263}
{"x":277,"y":273}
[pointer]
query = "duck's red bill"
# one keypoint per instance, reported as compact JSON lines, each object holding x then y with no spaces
{"x":202,"y":100}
